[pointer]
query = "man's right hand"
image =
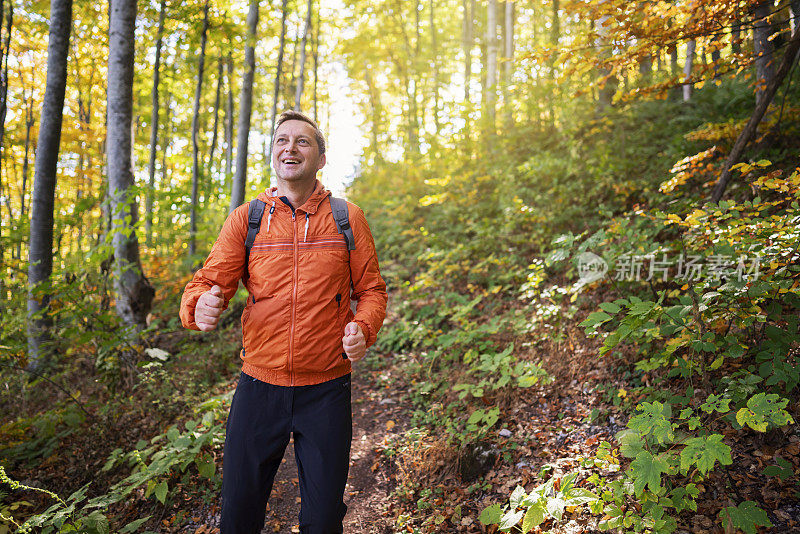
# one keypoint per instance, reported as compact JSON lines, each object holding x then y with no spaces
{"x":208,"y":309}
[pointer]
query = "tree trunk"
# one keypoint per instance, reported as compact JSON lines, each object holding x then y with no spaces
{"x":491,"y":63}
{"x":290,"y":89}
{"x":509,"y":59}
{"x":30,"y":120}
{"x":40,"y":250}
{"x":509,"y":43}
{"x":229,"y":120}
{"x":245,"y":108}
{"x":167,"y":142}
{"x":749,"y":130}
{"x":610,"y":83}
{"x":215,"y":126}
{"x":151,"y":184}
{"x":413,"y":75}
{"x":5,"y":51}
{"x":435,"y":56}
{"x":278,"y":69}
{"x":134,"y":294}
{"x":466,"y":44}
{"x":198,"y":93}
{"x":299,"y":93}
{"x":687,"y":70}
{"x":375,"y":108}
{"x":763,"y":49}
{"x":555,"y":36}
{"x":316,"y":62}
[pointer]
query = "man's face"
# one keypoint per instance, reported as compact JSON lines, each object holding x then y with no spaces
{"x":295,"y":153}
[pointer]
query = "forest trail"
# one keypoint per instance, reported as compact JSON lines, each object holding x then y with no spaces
{"x":377,"y":411}
{"x":367,"y":490}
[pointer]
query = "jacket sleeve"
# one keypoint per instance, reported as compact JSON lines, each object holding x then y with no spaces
{"x":368,"y":285}
{"x":223,"y":267}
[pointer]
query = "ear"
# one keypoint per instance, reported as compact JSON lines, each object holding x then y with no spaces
{"x":322,"y":161}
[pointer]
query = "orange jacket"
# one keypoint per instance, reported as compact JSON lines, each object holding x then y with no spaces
{"x":299,"y":281}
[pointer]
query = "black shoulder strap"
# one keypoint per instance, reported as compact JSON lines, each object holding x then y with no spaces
{"x":342,"y":218}
{"x":254,"y":215}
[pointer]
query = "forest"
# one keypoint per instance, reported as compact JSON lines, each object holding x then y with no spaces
{"x":587,"y":214}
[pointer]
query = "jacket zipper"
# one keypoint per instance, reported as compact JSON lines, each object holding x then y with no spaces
{"x":294,"y":300}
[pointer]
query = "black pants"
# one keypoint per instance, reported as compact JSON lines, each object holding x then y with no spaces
{"x":261,"y":419}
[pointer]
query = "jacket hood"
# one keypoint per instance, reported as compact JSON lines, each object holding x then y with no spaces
{"x":311,"y":205}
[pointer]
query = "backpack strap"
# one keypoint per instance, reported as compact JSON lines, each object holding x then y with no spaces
{"x":254,"y":215}
{"x":342,"y":218}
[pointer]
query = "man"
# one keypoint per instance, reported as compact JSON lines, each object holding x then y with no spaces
{"x":299,"y":335}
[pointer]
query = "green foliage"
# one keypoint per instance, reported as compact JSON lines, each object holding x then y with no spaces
{"x":496,"y":371}
{"x":547,"y":500}
{"x":731,"y":332}
{"x":747,"y":516}
{"x":153,"y":464}
{"x":763,"y":410}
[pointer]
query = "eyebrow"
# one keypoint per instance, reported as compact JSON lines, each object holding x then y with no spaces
{"x":301,"y":136}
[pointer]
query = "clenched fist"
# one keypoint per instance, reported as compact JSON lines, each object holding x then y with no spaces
{"x":208,"y":309}
{"x":355,"y":346}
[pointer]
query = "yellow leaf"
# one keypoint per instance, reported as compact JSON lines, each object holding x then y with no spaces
{"x":389,"y":424}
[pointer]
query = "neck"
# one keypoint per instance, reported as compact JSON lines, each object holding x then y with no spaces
{"x":296,"y":192}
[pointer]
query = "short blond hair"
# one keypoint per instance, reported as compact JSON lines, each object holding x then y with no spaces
{"x":292,"y":115}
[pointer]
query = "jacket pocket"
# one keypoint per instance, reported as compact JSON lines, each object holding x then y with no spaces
{"x":265,"y":325}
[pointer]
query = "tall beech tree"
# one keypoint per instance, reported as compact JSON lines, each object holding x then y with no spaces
{"x":151,"y":184}
{"x":245,"y":108}
{"x":299,"y":92}
{"x":40,"y":248}
{"x":215,"y":125}
{"x":468,"y":7}
{"x":198,"y":93}
{"x":687,"y":69}
{"x":763,"y":48}
{"x":229,"y":117}
{"x":491,"y":64}
{"x":134,"y":294}
{"x":278,"y":70}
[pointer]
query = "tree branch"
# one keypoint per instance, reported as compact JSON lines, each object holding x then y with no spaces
{"x":750,"y":129}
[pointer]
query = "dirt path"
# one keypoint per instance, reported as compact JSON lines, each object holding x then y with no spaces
{"x":367,"y":490}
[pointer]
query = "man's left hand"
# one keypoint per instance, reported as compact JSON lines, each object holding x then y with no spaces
{"x":355,"y":346}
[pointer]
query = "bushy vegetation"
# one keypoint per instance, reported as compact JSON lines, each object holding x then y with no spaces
{"x":485,"y":259}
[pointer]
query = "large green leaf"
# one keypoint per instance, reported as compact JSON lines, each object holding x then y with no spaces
{"x":510,"y":519}
{"x":646,"y":470}
{"x":534,"y":516}
{"x":161,"y":491}
{"x":653,"y":420}
{"x":491,"y":515}
{"x":763,"y":409}
{"x":747,"y":516}
{"x":705,"y":452}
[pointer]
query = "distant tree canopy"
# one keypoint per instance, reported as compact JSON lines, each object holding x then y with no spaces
{"x":428,"y":78}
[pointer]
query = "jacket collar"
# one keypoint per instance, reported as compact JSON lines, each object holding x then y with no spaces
{"x":311,"y":205}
